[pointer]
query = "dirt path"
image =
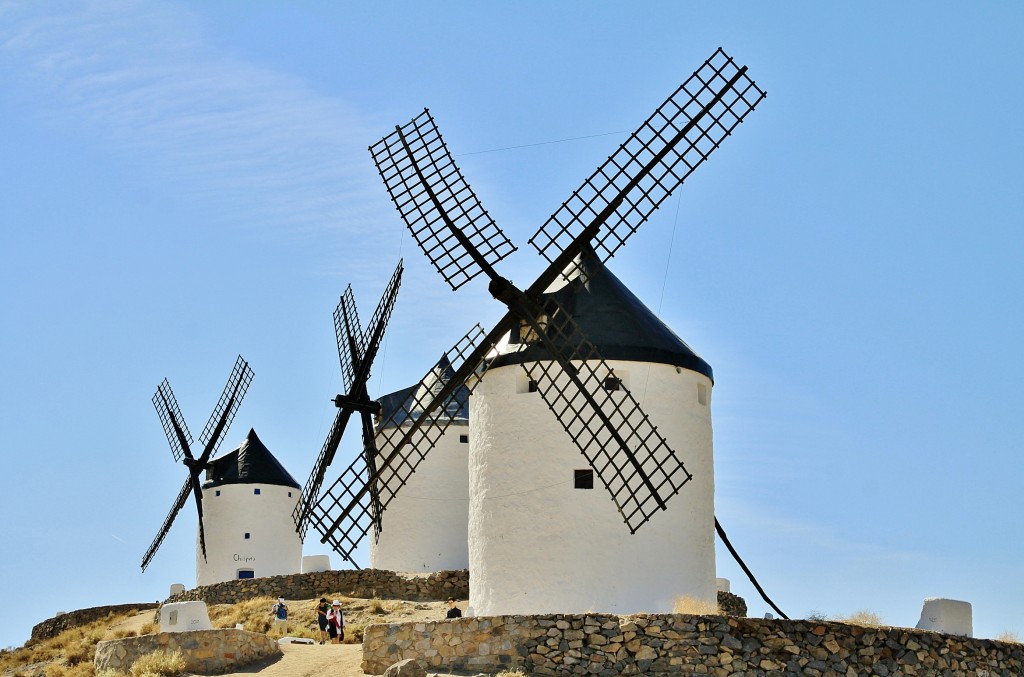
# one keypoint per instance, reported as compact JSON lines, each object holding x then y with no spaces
{"x":311,"y":660}
{"x":315,"y":660}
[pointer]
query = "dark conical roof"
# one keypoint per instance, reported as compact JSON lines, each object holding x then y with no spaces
{"x":250,"y":463}
{"x":619,"y":325}
{"x":400,"y":406}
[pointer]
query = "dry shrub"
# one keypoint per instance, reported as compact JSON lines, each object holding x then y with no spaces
{"x":69,"y":654}
{"x":685,"y":604}
{"x":354,"y":633}
{"x":59,"y":670}
{"x":159,"y":664}
{"x":149,"y":629}
{"x":253,"y":614}
{"x":375,"y":606}
{"x":1008,"y":636}
{"x":865,"y":618}
{"x":81,"y":651}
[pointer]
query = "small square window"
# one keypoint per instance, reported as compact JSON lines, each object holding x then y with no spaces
{"x":584,"y":479}
{"x":464,"y":439}
{"x":612,"y":383}
{"x":256,"y":491}
{"x":247,"y":535}
{"x":217,"y":493}
{"x":531,"y":387}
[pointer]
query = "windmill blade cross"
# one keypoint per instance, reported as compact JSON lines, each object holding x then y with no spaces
{"x":623,"y":192}
{"x":180,"y":439}
{"x":357,"y":349}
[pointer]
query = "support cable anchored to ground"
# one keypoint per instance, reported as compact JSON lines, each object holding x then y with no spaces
{"x":736,"y":556}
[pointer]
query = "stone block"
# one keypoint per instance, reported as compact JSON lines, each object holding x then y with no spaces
{"x":316,"y":564}
{"x":184,"y":617}
{"x":948,"y":616}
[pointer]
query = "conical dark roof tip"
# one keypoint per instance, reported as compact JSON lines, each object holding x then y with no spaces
{"x":619,"y":325}
{"x":250,"y":463}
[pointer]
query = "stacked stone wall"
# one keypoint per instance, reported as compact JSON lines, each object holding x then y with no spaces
{"x":58,"y":624}
{"x":205,"y":651}
{"x":673,"y":644}
{"x":366,"y":583}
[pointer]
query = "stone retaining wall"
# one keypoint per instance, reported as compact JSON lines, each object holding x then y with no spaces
{"x":366,"y":583}
{"x":58,"y":624}
{"x":206,"y":651}
{"x":663,"y":644}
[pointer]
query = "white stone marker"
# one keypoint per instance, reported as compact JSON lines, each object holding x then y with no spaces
{"x":184,"y":617}
{"x":948,"y":616}
{"x":315,"y":563}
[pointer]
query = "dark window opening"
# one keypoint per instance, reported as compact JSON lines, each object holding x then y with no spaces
{"x":246,"y":573}
{"x":612,"y":383}
{"x":256,"y":491}
{"x":217,"y":493}
{"x":584,"y":478}
{"x":464,"y":439}
{"x":531,"y":387}
{"x":247,"y":535}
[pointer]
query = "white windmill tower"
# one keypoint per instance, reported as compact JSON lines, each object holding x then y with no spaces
{"x":248,"y":500}
{"x":543,"y":536}
{"x":248,"y":497}
{"x":624,"y":448}
{"x":425,"y":526}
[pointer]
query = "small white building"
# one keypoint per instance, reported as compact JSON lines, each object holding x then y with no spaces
{"x":544,"y":539}
{"x":248,"y":500}
{"x":424,"y":528}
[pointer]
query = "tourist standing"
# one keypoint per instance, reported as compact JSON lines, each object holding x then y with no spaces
{"x":336,"y":623}
{"x":280,"y":614}
{"x":453,"y":610}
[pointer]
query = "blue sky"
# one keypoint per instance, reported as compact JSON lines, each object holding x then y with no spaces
{"x":186,"y":181}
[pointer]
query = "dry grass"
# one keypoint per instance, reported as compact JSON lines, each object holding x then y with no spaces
{"x":159,"y":664}
{"x":1008,"y":636}
{"x":865,"y":618}
{"x":512,"y":672}
{"x":691,"y":605}
{"x":69,"y":654}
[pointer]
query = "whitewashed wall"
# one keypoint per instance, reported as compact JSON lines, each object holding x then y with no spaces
{"x":538,"y":545}
{"x":273,"y":547}
{"x":426,"y":524}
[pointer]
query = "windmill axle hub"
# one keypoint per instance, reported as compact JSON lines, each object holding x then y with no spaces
{"x":368,"y":406}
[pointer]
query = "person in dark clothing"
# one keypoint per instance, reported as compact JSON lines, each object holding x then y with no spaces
{"x":453,"y":611}
{"x":321,"y":618}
